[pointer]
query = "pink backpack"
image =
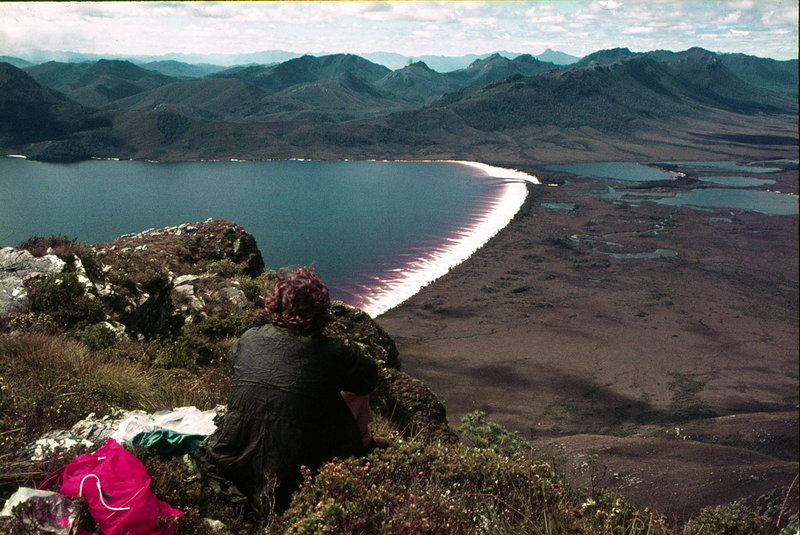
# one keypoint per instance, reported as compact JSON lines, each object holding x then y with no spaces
{"x":116,"y":485}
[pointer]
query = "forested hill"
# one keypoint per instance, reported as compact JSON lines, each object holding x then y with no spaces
{"x":343,"y":105}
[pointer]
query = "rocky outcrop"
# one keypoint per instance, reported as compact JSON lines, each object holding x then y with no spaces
{"x":151,"y":282}
{"x":184,"y":248}
{"x":16,"y":267}
{"x":412,"y":407}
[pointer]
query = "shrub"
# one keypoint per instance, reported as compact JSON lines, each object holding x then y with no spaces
{"x":203,"y":343}
{"x":732,"y":519}
{"x":253,"y":289}
{"x":38,"y":245}
{"x":64,"y":247}
{"x":231,"y":325}
{"x":186,"y":352}
{"x":178,"y":485}
{"x":225,"y":268}
{"x":416,"y":488}
{"x":98,"y":336}
{"x":62,"y":297}
{"x":485,"y":434}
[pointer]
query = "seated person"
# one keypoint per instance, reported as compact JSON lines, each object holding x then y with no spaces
{"x":297,"y":398}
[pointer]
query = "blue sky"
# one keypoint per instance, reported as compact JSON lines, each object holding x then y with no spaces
{"x":767,"y":28}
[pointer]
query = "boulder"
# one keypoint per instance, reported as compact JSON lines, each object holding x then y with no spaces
{"x":412,"y":407}
{"x":15,"y":267}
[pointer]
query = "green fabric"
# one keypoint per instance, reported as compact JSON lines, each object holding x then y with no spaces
{"x":168,"y":443}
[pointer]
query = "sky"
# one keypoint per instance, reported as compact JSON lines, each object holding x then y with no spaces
{"x":766,"y":28}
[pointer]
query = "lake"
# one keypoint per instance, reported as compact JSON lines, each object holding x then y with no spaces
{"x":375,"y":231}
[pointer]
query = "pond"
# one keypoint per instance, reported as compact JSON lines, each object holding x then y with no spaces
{"x":735,"y":196}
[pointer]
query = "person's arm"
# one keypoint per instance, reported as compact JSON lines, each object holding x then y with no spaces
{"x":358,"y":373}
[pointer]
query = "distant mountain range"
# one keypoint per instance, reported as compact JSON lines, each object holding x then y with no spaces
{"x":346,"y":106}
{"x":391,"y":60}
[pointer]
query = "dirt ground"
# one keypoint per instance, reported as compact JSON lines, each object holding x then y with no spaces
{"x":680,"y":373}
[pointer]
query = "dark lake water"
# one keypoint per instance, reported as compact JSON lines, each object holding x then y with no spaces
{"x":370,"y":228}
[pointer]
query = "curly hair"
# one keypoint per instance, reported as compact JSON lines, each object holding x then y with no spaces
{"x":298,"y":300}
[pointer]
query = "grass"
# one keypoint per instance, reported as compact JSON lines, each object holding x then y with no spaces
{"x":52,"y":381}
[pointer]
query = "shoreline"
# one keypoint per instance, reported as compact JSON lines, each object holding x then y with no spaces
{"x":423,"y":271}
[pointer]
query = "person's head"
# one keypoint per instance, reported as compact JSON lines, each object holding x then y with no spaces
{"x":298,"y":300}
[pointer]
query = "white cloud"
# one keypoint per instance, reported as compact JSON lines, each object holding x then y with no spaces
{"x":729,"y":18}
{"x":413,"y":27}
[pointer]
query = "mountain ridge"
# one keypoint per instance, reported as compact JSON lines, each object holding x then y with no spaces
{"x":347,"y":106}
{"x":391,"y":60}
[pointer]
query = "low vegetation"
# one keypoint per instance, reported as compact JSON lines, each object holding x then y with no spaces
{"x":63,"y":363}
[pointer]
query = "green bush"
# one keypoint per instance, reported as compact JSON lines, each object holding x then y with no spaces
{"x":732,"y":519}
{"x":253,"y":289}
{"x":98,"y":336}
{"x":187,"y":351}
{"x":217,"y":328}
{"x":485,"y":434}
{"x":203,"y":343}
{"x":225,"y":268}
{"x":417,"y":488}
{"x":62,"y":297}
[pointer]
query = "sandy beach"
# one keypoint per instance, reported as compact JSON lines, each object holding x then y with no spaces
{"x":680,"y":373}
{"x":388,"y":292}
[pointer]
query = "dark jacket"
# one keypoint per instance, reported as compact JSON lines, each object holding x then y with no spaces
{"x":285,"y":410}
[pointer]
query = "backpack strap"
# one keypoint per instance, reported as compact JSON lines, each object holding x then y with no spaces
{"x":100,"y":493}
{"x":48,"y":481}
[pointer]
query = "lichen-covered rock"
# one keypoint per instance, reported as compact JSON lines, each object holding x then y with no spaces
{"x":15,"y":267}
{"x":412,"y":407}
{"x":152,"y":282}
{"x":185,"y":248}
{"x":357,"y":328}
{"x":164,"y":278}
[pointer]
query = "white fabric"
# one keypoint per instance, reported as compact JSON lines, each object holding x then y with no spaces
{"x":122,"y":426}
{"x":183,"y":420}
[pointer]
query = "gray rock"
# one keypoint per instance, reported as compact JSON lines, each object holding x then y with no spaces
{"x":117,"y":328}
{"x":15,"y":266}
{"x":235,"y":297}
